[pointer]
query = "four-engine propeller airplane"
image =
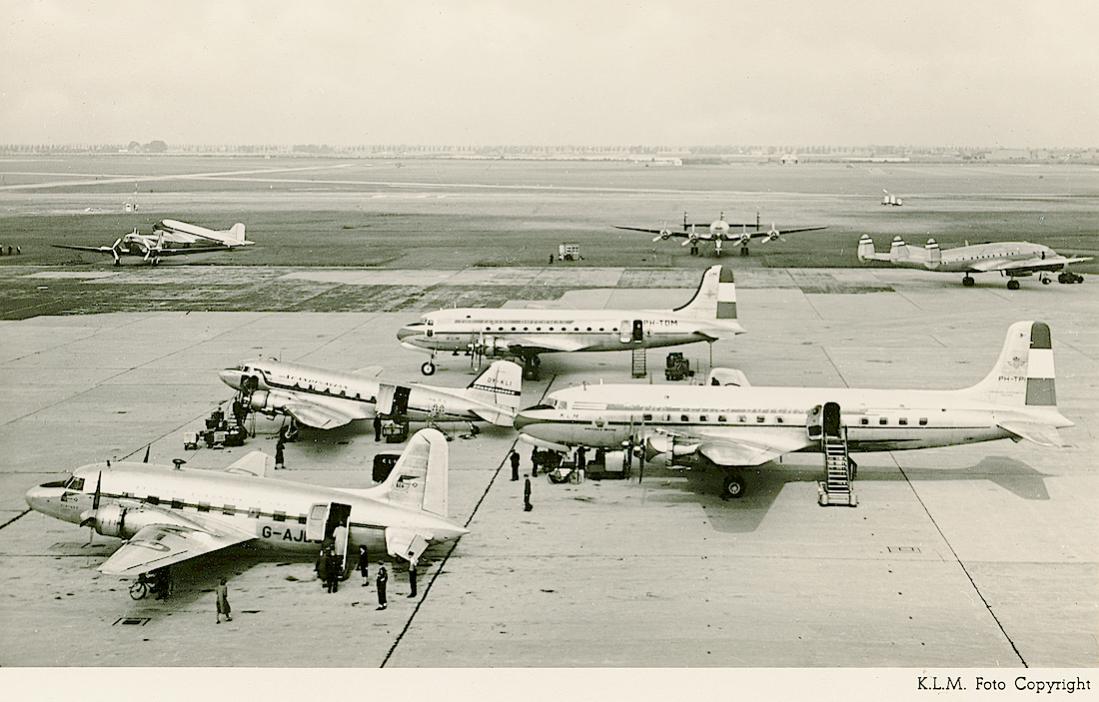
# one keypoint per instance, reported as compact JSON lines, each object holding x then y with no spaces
{"x":720,"y":231}
{"x":324,"y":399}
{"x":169,"y":238}
{"x":167,"y":515}
{"x":734,"y":427}
{"x":526,"y":333}
{"x":1011,"y":259}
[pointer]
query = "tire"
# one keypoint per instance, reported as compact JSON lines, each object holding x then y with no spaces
{"x":1047,"y":281}
{"x":968,"y":282}
{"x":428,"y":368}
{"x":1012,"y":284}
{"x":732,"y":487}
{"x":138,"y":590}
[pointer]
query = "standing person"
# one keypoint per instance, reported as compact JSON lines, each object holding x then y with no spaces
{"x":581,"y":458}
{"x":364,"y":565}
{"x":514,"y":465}
{"x":377,"y":427}
{"x":412,"y":578}
{"x":527,"y":506}
{"x":333,"y":571}
{"x":534,"y":462}
{"x":280,"y":462}
{"x":322,"y":568}
{"x":223,"y":602}
{"x":380,"y":581}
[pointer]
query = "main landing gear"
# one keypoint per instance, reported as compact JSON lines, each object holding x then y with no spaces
{"x":732,"y":487}
{"x":744,"y":251}
{"x":968,"y":281}
{"x":1012,"y":284}
{"x":428,"y":368}
{"x":531,"y":364}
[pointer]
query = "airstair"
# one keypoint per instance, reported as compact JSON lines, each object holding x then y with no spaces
{"x":836,"y":487}
{"x":639,"y":368}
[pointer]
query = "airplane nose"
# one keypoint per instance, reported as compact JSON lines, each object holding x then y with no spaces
{"x":35,"y":497}
{"x":231,"y":377}
{"x":405,"y":332}
{"x":525,"y":418}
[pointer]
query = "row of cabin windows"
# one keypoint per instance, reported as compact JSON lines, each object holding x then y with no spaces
{"x":564,"y":329}
{"x":230,"y":510}
{"x":761,"y":419}
{"x":326,"y":391}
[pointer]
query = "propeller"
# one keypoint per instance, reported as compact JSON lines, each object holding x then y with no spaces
{"x":88,"y":517}
{"x":745,"y":237}
{"x":665,"y":233}
{"x":773,"y":235}
{"x":147,"y":449}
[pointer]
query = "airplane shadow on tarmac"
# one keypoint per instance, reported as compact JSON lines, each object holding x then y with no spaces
{"x":764,"y":484}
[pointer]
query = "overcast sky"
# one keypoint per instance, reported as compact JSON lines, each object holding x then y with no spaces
{"x":540,"y":72}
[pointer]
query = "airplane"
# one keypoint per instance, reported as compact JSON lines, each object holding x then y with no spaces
{"x":324,"y":399}
{"x":738,"y":426}
{"x":720,"y":231}
{"x":1011,"y":259}
{"x":525,"y":333}
{"x":166,"y":515}
{"x":891,"y":200}
{"x":169,"y":238}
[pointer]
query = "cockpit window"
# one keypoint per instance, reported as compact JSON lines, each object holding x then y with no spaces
{"x":75,"y":483}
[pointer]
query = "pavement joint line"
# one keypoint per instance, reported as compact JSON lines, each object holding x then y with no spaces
{"x":16,"y":518}
{"x":906,"y":299}
{"x":824,"y":350}
{"x":454,"y":545}
{"x":959,"y":561}
{"x":97,"y":332}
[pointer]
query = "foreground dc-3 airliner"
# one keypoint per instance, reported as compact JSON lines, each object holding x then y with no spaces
{"x":169,"y":238}
{"x":525,"y":333}
{"x":1011,"y":259}
{"x":167,"y":515}
{"x":737,"y":427}
{"x":325,"y":399}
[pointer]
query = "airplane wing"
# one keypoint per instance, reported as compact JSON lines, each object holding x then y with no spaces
{"x":179,"y":539}
{"x":256,"y":463}
{"x":96,"y":249}
{"x":316,"y":416}
{"x":543,"y":343}
{"x":404,"y":543}
{"x":763,"y":234}
{"x":743,"y":448}
{"x":671,"y":233}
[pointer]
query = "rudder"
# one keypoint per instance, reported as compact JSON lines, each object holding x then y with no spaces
{"x":715,"y":297}
{"x":419,"y":479}
{"x":1023,"y":374}
{"x":499,"y":384}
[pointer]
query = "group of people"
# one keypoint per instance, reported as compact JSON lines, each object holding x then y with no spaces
{"x":11,"y":251}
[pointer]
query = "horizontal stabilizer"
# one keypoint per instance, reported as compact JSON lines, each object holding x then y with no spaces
{"x":1041,"y":434}
{"x":256,"y":463}
{"x":404,"y":543}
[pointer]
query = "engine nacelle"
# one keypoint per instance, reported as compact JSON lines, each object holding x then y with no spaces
{"x":663,"y":444}
{"x":665,"y":234}
{"x":110,"y":520}
{"x":745,"y":239}
{"x":493,"y":346}
{"x":268,"y":401}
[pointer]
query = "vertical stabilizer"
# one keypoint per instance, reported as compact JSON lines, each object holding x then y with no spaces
{"x":235,"y":235}
{"x":500,"y":386}
{"x":866,"y":248}
{"x":419,"y":480}
{"x":715,"y":297}
{"x":1023,"y":375}
{"x":934,"y":255}
{"x":898,"y":250}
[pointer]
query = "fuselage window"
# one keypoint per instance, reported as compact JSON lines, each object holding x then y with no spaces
{"x":153,"y":500}
{"x":177,"y":504}
{"x":722,"y":418}
{"x":646,"y":418}
{"x":684,"y":418}
{"x":589,"y":328}
{"x":301,"y":519}
{"x":229,"y":509}
{"x":203,"y":506}
{"x":742,"y":419}
{"x":279,"y":516}
{"x":864,"y":421}
{"x":923,"y":421}
{"x":778,"y":420}
{"x":702,"y":418}
{"x":526,"y":328}
{"x":903,"y":421}
{"x":760,"y":419}
{"x":883,"y":421}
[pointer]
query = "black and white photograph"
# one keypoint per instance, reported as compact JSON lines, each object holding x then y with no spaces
{"x":633,"y":347}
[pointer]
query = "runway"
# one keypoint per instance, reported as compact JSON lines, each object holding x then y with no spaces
{"x":971,"y":556}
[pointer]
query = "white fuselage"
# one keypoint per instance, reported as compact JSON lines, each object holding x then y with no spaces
{"x":275,"y":511}
{"x":347,"y":393}
{"x":495,"y":330}
{"x":876,"y":420}
{"x":964,"y":259}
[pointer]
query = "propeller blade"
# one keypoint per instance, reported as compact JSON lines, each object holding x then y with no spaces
{"x":98,"y":486}
{"x":147,"y":449}
{"x":687,"y":241}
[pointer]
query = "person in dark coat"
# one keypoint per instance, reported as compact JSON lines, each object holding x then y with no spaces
{"x":581,"y":458}
{"x":364,"y":565}
{"x":534,"y":462}
{"x":380,"y":581}
{"x":280,"y":459}
{"x":322,"y":568}
{"x":412,"y":578}
{"x":223,"y":602}
{"x":514,"y":465}
{"x":377,"y":428}
{"x":527,"y":506}
{"x":333,"y":571}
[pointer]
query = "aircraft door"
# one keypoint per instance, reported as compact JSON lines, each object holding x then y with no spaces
{"x":400,"y":400}
{"x":638,"y":330}
{"x":625,"y":331}
{"x":832,"y":421}
{"x":315,"y":522}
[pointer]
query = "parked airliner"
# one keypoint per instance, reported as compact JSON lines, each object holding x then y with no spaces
{"x":169,"y":238}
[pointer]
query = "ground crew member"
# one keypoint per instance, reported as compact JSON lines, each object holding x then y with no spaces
{"x":364,"y":565}
{"x":581,"y":458}
{"x":380,"y":581}
{"x":377,"y":428}
{"x":514,"y":465}
{"x":322,"y":567}
{"x":333,"y":571}
{"x":279,"y":457}
{"x":527,"y":506}
{"x":223,"y":602}
{"x":412,"y":578}
{"x":534,"y":462}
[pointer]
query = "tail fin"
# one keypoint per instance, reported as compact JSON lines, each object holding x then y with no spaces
{"x":235,"y":235}
{"x":934,"y":254}
{"x":1023,"y":375}
{"x":419,"y":480}
{"x":715,"y":297}
{"x":866,"y":248}
{"x":898,"y":250}
{"x":501,"y":386}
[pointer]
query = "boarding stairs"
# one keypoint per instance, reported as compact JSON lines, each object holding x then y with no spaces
{"x":836,"y":488}
{"x":639,"y":366}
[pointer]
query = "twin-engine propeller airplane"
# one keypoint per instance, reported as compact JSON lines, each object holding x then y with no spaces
{"x":324,"y":399}
{"x":169,"y":238}
{"x":739,"y":426}
{"x":526,"y":333}
{"x":720,"y":231}
{"x":1011,"y":259}
{"x":168,"y":515}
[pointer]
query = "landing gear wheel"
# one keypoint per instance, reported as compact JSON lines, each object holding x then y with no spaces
{"x":1063,"y":278}
{"x":732,"y":487}
{"x":1046,"y":280}
{"x":744,"y":251}
{"x":428,"y":368}
{"x":694,"y":250}
{"x":1012,"y":284}
{"x":968,"y":282}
